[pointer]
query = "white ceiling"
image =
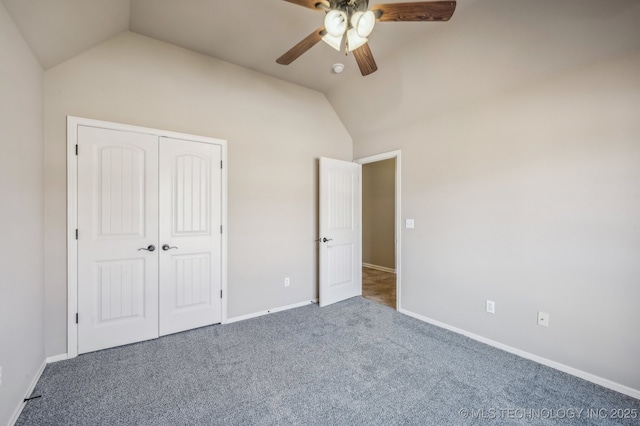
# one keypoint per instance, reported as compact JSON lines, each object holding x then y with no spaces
{"x":493,"y":48}
{"x":249,"y":33}
{"x":57,"y":30}
{"x":487,"y":48}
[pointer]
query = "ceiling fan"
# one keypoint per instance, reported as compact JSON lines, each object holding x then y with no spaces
{"x":348,"y":23}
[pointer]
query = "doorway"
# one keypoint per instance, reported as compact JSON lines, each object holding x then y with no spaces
{"x":381,"y":227}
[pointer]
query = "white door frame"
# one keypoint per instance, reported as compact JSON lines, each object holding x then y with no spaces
{"x":398,"y":225}
{"x":72,"y":213}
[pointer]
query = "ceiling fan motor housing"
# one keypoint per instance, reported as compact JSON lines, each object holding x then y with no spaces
{"x":349,"y":6}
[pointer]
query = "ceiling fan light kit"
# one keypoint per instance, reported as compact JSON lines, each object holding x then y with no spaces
{"x":336,"y":23}
{"x":349,"y":22}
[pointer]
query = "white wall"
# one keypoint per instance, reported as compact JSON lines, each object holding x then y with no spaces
{"x":21,"y":217}
{"x":531,"y":199}
{"x":276,"y":132}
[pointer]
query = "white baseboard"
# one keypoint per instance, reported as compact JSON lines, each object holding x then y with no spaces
{"x":634,"y":393}
{"x":270,"y":311}
{"x":57,"y":358}
{"x":32,"y":386}
{"x":378,"y":268}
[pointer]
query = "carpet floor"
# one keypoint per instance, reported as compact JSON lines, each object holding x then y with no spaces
{"x":352,"y":363}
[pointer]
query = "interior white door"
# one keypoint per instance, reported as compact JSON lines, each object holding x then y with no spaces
{"x":340,"y":230}
{"x":117,"y":235}
{"x":190,"y":235}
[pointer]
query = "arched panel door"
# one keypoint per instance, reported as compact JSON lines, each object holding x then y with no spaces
{"x":340,"y":230}
{"x":190,"y":235}
{"x":117,"y":238}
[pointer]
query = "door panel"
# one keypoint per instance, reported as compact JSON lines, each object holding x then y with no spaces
{"x":191,"y":186}
{"x":190,"y":221}
{"x":340,"y":258}
{"x":117,"y":215}
{"x":340,"y":225}
{"x":192,"y":278}
{"x":120,"y":289}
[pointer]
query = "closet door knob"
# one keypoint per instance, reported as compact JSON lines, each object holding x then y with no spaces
{"x":168,"y":247}
{"x":150,"y":248}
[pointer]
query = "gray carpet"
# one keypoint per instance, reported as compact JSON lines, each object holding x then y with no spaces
{"x":355,"y":362}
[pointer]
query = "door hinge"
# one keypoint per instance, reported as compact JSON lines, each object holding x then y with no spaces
{"x":76,"y":233}
{"x":220,"y":294}
{"x":221,"y":229}
{"x":220,"y":164}
{"x":76,"y":317}
{"x":76,"y":149}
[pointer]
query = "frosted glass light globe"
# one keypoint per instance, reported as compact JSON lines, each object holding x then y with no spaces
{"x":363,"y":22}
{"x":354,"y":41}
{"x":332,"y":41}
{"x":335,"y":23}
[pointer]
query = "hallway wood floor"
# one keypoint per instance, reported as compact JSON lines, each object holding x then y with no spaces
{"x":379,"y":286}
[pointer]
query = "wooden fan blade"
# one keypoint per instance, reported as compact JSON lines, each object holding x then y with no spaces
{"x":420,"y":11}
{"x":311,"y":4}
{"x":365,"y":60}
{"x":296,"y":51}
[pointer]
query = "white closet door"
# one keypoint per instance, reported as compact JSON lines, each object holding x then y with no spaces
{"x":118,"y":227}
{"x":190,"y":235}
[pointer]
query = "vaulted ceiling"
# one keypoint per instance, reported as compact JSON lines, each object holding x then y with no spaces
{"x":488,"y":47}
{"x":249,"y":33}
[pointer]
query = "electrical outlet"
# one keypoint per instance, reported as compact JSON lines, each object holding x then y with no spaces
{"x":491,"y":306}
{"x":543,"y":319}
{"x":287,"y":282}
{"x":410,"y":223}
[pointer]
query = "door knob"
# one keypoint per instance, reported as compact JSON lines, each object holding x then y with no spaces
{"x":324,"y":240}
{"x":150,"y":248}
{"x":168,"y":247}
